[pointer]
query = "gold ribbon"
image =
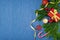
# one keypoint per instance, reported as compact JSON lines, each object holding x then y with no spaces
{"x":58,"y":2}
{"x":52,"y":2}
{"x":32,"y":27}
{"x":48,"y":3}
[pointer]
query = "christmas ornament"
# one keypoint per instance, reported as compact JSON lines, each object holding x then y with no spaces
{"x":47,"y":9}
{"x":42,"y":35}
{"x":54,"y":15}
{"x":45,"y":20}
{"x":38,"y":27}
{"x":44,"y":2}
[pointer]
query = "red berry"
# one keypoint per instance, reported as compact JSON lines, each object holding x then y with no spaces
{"x":38,"y":27}
{"x":50,"y":21}
{"x":52,"y":9}
{"x":47,"y":9}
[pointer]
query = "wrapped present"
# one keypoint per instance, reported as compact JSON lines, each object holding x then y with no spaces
{"x":54,"y":15}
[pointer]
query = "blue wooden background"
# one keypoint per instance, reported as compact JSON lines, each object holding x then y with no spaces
{"x":15,"y":18}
